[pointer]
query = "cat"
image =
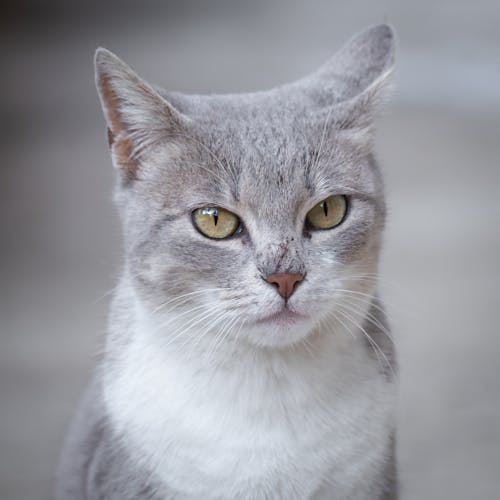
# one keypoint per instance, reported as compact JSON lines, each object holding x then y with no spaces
{"x":248,"y":354}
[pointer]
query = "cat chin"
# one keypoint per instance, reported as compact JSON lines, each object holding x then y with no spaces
{"x":280,"y":330}
{"x":283,"y":318}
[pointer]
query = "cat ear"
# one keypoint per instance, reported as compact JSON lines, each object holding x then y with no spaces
{"x":136,"y":115}
{"x":354,"y":80}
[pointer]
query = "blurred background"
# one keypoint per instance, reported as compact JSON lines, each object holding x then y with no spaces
{"x":439,"y":143}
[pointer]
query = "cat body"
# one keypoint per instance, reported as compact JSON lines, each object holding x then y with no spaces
{"x":257,"y":365}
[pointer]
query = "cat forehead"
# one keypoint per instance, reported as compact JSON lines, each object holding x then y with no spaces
{"x":276,"y":144}
{"x":260,"y":143}
{"x":278,"y":127}
{"x":258,"y":166}
{"x":254,"y":119}
{"x":251,"y":129}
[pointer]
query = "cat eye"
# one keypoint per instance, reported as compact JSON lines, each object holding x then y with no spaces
{"x":215,"y":222}
{"x":327,"y":214}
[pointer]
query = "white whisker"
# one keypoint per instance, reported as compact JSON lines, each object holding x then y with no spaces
{"x":375,"y":346}
{"x":363,"y":314}
{"x":183,"y":329}
{"x":190,"y":294}
{"x":221,"y":335}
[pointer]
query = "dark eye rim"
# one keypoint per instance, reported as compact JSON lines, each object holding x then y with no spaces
{"x":309,"y":227}
{"x":237,"y":232}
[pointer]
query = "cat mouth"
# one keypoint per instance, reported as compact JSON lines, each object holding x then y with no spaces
{"x":285,"y":317}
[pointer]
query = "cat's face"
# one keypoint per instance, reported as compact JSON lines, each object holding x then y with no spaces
{"x":253,"y":216}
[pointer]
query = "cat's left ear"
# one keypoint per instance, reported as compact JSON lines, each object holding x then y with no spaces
{"x":136,"y":115}
{"x":351,"y":86}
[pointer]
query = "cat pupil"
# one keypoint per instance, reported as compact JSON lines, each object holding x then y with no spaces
{"x":216,"y":216}
{"x":325,"y":208}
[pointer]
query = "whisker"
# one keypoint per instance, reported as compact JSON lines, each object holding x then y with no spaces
{"x":308,"y":347}
{"x":369,"y":338}
{"x":190,"y":294}
{"x":221,"y":335}
{"x":183,"y":329}
{"x":364,"y":297}
{"x":334,"y":316}
{"x":175,"y":317}
{"x":218,"y":319}
{"x":363,"y":314}
{"x":354,"y":337}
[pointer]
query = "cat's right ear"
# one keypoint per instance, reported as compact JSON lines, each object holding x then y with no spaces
{"x":136,"y":115}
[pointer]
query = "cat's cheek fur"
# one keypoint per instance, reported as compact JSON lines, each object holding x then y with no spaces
{"x":189,"y":263}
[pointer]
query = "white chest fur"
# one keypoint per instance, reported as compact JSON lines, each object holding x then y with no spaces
{"x":251,"y":424}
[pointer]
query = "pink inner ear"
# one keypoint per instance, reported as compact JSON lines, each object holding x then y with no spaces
{"x":111,"y":137}
{"x":123,"y":147}
{"x":111,"y":104}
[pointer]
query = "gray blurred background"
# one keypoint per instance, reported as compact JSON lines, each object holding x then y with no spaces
{"x":439,"y":142}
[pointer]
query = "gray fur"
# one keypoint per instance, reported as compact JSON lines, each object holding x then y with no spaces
{"x":268,"y":156}
{"x":95,"y":465}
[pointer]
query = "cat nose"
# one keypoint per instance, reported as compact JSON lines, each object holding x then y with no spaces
{"x":285,"y":282}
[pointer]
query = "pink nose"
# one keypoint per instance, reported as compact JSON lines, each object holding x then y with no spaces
{"x":285,"y":282}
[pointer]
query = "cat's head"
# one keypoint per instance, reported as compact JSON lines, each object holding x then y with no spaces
{"x":253,"y":215}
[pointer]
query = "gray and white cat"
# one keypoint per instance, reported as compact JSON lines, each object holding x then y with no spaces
{"x":248,"y":355}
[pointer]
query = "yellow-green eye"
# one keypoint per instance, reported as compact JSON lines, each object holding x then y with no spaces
{"x":215,"y":222}
{"x":327,"y":214}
